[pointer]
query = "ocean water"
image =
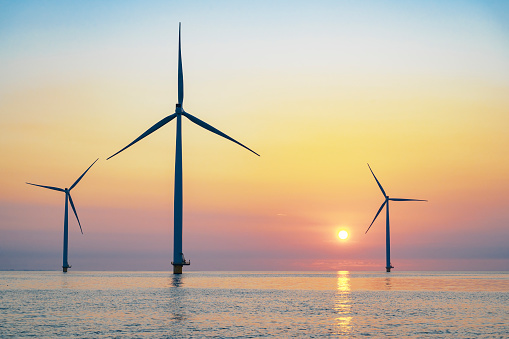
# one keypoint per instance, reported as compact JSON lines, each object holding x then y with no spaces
{"x":254,"y":304}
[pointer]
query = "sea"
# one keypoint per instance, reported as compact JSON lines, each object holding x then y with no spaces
{"x":42,"y":304}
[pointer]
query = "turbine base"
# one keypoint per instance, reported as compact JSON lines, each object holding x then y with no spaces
{"x":64,"y":269}
{"x":177,"y":268}
{"x":388,"y":269}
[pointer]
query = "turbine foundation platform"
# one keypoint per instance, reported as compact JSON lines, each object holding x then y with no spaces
{"x":388,"y":269}
{"x":177,"y":268}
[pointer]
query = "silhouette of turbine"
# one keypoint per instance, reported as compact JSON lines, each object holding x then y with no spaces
{"x":178,"y":255}
{"x":387,"y":230}
{"x":68,"y":199}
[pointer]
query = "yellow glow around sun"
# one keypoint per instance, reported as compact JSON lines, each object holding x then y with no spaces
{"x":343,"y":235}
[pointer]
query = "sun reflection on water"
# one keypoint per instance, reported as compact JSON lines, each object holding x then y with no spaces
{"x":342,"y":304}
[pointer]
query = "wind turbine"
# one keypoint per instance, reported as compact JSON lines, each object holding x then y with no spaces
{"x":178,"y":255}
{"x":68,"y":200}
{"x":387,"y":231}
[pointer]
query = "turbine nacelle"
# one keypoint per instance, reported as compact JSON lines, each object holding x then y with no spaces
{"x":179,"y":109}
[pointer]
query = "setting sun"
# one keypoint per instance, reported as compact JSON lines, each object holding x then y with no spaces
{"x":343,"y":235}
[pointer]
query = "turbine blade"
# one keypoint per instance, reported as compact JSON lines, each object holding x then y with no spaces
{"x":377,"y":213}
{"x":149,"y":131}
{"x":379,"y":185}
{"x":398,"y":199}
{"x":76,"y":214}
{"x":214,"y":130}
{"x":78,"y":180}
{"x":180,"y":76}
{"x":48,"y":187}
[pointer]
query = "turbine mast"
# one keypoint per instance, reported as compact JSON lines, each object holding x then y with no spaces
{"x":178,"y":255}
{"x":388,"y":265}
{"x":65,"y":264}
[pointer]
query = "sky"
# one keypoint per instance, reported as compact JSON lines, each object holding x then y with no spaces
{"x":417,"y":89}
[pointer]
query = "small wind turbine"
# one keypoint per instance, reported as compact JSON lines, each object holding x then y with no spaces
{"x":387,"y":231}
{"x":178,"y":255}
{"x":68,"y":200}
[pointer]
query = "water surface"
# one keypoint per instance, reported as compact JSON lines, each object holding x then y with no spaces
{"x":254,"y":304}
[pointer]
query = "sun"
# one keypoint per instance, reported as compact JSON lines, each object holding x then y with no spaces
{"x":343,"y":234}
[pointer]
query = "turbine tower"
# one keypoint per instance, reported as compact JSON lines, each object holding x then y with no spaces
{"x":388,"y":265}
{"x":178,"y":256}
{"x":68,"y":199}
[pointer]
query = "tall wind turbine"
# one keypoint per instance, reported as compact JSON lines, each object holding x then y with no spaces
{"x":178,"y":255}
{"x":387,"y":231}
{"x":68,"y":199}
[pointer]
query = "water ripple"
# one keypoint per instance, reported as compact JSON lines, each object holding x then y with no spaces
{"x":253,"y":305}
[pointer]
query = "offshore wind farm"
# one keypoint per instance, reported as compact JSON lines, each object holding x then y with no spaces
{"x":278,"y":243}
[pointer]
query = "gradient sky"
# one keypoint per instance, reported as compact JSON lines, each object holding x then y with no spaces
{"x":419,"y":89}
